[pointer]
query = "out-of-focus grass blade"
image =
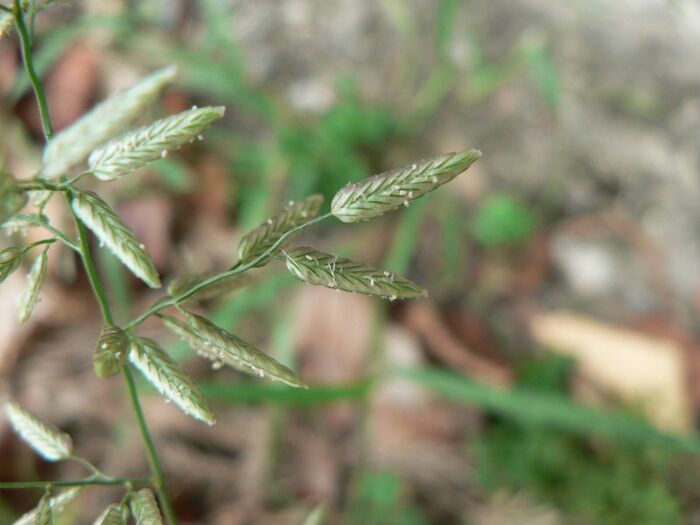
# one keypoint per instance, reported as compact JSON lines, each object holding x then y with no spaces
{"x":250,"y":393}
{"x":536,"y":408}
{"x":404,"y":246}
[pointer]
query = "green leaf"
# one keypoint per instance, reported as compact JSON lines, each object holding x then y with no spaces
{"x":73,"y":144}
{"x":323,"y":269}
{"x":388,"y":191}
{"x":145,"y":509}
{"x":99,"y":217}
{"x":263,"y":237}
{"x":35,"y":280}
{"x":56,"y":504}
{"x":111,"y":351}
{"x":10,"y":259}
{"x":165,"y":374}
{"x":222,"y":347}
{"x":47,"y":440}
{"x":141,"y":146}
{"x":220,"y":288}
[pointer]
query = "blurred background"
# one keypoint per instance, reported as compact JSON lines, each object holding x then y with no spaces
{"x":553,"y":374}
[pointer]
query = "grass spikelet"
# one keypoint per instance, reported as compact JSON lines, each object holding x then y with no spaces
{"x":112,"y":515}
{"x":10,"y":259}
{"x":145,"y":509}
{"x":43,"y":510}
{"x":111,"y":351}
{"x":137,"y":148}
{"x":256,"y":242}
{"x":47,"y":440}
{"x":56,"y":504}
{"x":109,"y":228}
{"x":170,"y":380}
{"x":107,"y":119}
{"x":223,"y":348}
{"x":390,"y":190}
{"x":35,"y":280}
{"x":323,"y":269}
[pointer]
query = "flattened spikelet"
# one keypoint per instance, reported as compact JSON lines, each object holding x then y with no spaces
{"x":35,"y":280}
{"x":45,"y":438}
{"x":220,"y":288}
{"x":139,"y":147}
{"x":317,"y":516}
{"x":43,"y":510}
{"x":314,"y":267}
{"x":256,"y":242}
{"x":111,"y":351}
{"x":112,"y":515}
{"x":145,"y":509}
{"x":10,"y":259}
{"x":390,"y":190}
{"x":165,"y":374}
{"x":222,"y":347}
{"x":109,"y":228}
{"x":56,"y":504}
{"x":107,"y":119}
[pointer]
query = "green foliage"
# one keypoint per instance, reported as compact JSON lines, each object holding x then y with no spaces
{"x":596,"y":480}
{"x":381,"y":500}
{"x":503,"y":221}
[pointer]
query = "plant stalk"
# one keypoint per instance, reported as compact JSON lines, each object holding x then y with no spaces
{"x":97,"y":287}
{"x":75,"y":483}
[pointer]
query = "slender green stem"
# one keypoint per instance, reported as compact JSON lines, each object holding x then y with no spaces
{"x":156,"y":468}
{"x":75,"y":483}
{"x":97,"y":287}
{"x":163,"y":303}
{"x":37,"y":221}
{"x":26,"y":45}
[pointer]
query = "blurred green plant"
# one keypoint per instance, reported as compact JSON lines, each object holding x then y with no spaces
{"x":502,"y":221}
{"x":599,"y":480}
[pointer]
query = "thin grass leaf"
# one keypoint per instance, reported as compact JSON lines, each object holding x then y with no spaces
{"x":256,"y":242}
{"x":107,"y":119}
{"x":220,"y":288}
{"x":139,"y":147}
{"x":43,"y":510}
{"x":324,"y":269}
{"x":45,"y":438}
{"x":165,"y":374}
{"x":317,"y":516}
{"x":222,"y":347}
{"x":145,"y":509}
{"x":109,"y":228}
{"x":56,"y":504}
{"x":10,"y":259}
{"x":111,"y":351}
{"x":35,"y":281}
{"x":390,"y":190}
{"x":112,"y":515}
